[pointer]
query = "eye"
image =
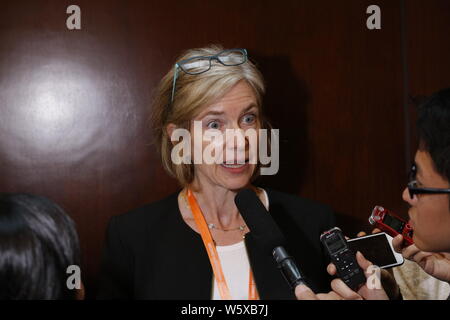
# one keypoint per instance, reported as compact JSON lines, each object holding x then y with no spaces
{"x":249,"y":119}
{"x":213,"y":125}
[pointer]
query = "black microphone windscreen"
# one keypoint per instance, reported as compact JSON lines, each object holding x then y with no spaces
{"x":262,"y":227}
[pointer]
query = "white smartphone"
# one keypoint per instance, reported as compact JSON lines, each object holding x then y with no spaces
{"x":378,"y":249}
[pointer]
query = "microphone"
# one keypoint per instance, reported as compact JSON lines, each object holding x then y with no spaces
{"x":267,"y":233}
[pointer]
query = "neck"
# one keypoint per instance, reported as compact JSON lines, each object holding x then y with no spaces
{"x":217,"y":204}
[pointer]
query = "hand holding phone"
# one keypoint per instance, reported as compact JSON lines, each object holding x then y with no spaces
{"x":340,"y":291}
{"x":343,"y":258}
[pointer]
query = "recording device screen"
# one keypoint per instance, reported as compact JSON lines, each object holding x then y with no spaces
{"x":375,"y":249}
{"x":395,"y":224}
{"x":335,"y":243}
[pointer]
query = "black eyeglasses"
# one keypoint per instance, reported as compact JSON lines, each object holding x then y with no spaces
{"x":200,"y":64}
{"x":413,"y":189}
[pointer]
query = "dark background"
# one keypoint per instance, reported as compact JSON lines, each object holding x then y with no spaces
{"x":75,"y":104}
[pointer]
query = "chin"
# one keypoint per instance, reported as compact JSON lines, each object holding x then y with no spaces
{"x":236,"y":185}
{"x":419,"y":244}
{"x":430,"y":245}
{"x":235,"y":181}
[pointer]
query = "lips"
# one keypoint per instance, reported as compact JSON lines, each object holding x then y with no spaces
{"x":235,"y":167}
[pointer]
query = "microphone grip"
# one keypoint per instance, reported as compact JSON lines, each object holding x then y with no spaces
{"x":288,"y":267}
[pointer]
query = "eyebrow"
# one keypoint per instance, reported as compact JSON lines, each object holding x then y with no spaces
{"x":219,"y":113}
{"x":212,"y":113}
{"x":251,"y":106}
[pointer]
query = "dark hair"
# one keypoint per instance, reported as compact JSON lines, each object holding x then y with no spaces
{"x":433,"y":124}
{"x":38,"y":241}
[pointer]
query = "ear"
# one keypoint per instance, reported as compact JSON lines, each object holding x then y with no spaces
{"x":169,"y":130}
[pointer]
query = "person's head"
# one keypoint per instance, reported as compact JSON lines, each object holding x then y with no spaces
{"x":38,"y":241}
{"x":430,"y":212}
{"x":223,"y":97}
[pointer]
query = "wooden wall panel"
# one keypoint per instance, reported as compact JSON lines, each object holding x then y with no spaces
{"x":427,"y":54}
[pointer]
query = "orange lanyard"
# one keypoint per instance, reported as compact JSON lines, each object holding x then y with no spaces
{"x":213,"y":255}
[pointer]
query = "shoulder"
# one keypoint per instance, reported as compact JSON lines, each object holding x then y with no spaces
{"x":139,"y":220}
{"x":301,"y":210}
{"x":302,"y":221}
{"x":292,"y":202}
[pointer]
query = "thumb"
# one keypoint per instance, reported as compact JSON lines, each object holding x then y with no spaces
{"x":331,"y":269}
{"x":397,"y":243}
{"x":302,"y":292}
{"x":363,"y":262}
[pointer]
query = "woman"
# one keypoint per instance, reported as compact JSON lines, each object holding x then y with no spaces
{"x":38,"y":242}
{"x":195,"y":244}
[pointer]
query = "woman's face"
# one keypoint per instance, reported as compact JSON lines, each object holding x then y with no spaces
{"x":237,"y":109}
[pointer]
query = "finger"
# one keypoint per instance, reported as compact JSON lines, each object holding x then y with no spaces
{"x":376,"y":230}
{"x":302,"y":292}
{"x":410,"y":251}
{"x":445,"y":255}
{"x":347,"y":238}
{"x":361,"y":234}
{"x":397,"y":243}
{"x":362,"y":261}
{"x":421,"y":255}
{"x":341,"y":289}
{"x":387,"y":273}
{"x":331,"y":269}
{"x":329,"y":296}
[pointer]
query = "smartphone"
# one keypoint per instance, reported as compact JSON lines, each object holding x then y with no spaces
{"x":343,"y":258}
{"x":377,"y":248}
{"x":392,"y":224}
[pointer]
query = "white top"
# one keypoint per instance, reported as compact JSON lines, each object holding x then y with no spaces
{"x":235,"y":267}
{"x":416,"y":284}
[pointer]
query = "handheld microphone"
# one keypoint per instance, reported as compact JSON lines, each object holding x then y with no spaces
{"x":267,"y":233}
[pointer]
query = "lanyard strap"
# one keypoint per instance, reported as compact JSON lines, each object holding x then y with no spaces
{"x":213,"y":255}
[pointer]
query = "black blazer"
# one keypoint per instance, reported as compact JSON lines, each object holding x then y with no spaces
{"x":151,"y":253}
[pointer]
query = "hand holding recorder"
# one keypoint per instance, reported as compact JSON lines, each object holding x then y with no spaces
{"x":435,"y":264}
{"x":357,"y":276}
{"x":392,"y":224}
{"x":340,"y":291}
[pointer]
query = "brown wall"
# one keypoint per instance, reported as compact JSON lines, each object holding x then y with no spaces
{"x":75,"y":104}
{"x":427,"y":51}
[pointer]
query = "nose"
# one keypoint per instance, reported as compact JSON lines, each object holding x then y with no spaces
{"x":406,"y":197}
{"x":235,"y":144}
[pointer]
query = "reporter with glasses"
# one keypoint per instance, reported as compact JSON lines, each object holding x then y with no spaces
{"x":428,"y":194}
{"x":194,"y":244}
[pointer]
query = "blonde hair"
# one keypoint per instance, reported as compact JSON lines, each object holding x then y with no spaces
{"x":192,"y":94}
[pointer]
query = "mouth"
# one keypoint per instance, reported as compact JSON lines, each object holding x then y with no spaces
{"x":235,"y":167}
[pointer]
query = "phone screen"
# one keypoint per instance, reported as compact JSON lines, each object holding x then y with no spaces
{"x":375,"y":249}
